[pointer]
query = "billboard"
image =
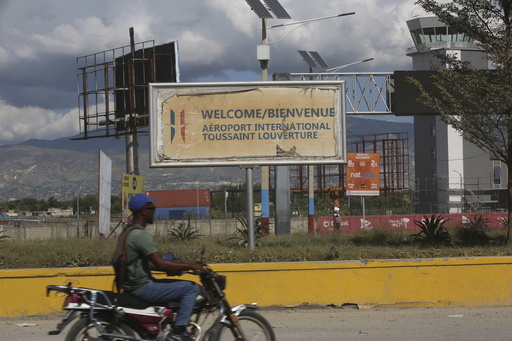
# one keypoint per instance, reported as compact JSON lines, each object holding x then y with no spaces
{"x":406,"y":94}
{"x":363,"y":174}
{"x":250,"y":123}
{"x":153,"y":64}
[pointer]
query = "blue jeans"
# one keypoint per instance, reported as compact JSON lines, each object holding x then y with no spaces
{"x":168,"y":291}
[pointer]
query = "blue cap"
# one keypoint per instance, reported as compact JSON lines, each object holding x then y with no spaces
{"x":138,"y":201}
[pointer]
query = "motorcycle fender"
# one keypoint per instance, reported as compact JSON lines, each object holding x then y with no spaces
{"x":241,"y":307}
{"x":237,"y":310}
{"x":70,"y":316}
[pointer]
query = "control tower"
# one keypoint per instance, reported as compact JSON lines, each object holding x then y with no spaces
{"x":452,"y":175}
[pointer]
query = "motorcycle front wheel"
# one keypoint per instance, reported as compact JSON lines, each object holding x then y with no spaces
{"x":84,"y":330}
{"x":252,"y":325}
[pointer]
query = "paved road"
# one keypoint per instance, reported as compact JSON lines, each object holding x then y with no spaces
{"x":383,"y":324}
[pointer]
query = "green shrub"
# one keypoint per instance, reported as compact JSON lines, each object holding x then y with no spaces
{"x":183,"y":232}
{"x":362,"y":245}
{"x":379,"y":237}
{"x":241,"y":235}
{"x":433,"y":230}
{"x":334,"y":253}
{"x":76,"y":260}
{"x":474,"y":231}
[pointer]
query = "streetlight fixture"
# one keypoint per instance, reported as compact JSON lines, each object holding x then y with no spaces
{"x":314,"y":60}
{"x":272,"y":9}
{"x":337,"y":68}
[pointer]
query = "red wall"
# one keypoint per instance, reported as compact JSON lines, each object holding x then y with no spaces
{"x":400,"y":222}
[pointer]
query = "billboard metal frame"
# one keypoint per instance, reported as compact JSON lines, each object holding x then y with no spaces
{"x":179,"y":107}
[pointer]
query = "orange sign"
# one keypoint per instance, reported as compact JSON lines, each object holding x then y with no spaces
{"x":363,"y":174}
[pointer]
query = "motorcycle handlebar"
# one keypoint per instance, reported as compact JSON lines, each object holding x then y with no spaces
{"x":66,"y":289}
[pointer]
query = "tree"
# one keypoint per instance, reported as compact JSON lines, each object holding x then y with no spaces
{"x":115,"y":204}
{"x":477,"y":103}
{"x":86,"y":204}
{"x":52,"y":202}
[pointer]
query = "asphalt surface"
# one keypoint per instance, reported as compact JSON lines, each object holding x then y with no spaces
{"x":335,"y":323}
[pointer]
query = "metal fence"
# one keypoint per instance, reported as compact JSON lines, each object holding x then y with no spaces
{"x":464,"y":195}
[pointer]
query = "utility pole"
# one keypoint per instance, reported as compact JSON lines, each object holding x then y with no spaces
{"x":132,"y":143}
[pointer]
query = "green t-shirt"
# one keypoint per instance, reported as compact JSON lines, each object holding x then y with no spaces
{"x":140,"y":245}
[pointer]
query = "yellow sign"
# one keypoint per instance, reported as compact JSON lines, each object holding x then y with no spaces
{"x":256,"y":123}
{"x":130,"y":185}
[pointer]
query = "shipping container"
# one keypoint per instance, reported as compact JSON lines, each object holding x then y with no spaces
{"x":181,"y":198}
{"x":182,"y":213}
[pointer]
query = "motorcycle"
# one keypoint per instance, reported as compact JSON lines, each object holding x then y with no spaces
{"x":107,"y":315}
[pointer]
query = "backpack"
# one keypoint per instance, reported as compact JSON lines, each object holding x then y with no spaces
{"x":119,"y":257}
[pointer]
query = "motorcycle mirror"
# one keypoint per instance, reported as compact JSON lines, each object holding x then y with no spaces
{"x":169,"y":256}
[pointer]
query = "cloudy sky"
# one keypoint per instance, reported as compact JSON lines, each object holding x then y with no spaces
{"x":40,"y":41}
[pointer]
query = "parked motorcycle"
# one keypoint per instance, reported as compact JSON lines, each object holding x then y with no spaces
{"x":106,"y":315}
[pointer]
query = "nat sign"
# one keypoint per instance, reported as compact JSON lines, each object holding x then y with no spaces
{"x":363,"y":174}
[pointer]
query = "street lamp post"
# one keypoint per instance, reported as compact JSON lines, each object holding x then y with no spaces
{"x":272,"y":9}
{"x":263,"y":50}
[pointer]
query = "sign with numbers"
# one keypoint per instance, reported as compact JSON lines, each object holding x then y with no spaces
{"x":363,"y":174}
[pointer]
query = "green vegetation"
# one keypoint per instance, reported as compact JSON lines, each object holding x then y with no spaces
{"x":183,"y":232}
{"x":363,"y":245}
{"x":241,"y":235}
{"x":476,"y":103}
{"x":433,"y":230}
{"x":475,"y":231}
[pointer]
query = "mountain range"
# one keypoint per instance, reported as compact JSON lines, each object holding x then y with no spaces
{"x":65,"y":167}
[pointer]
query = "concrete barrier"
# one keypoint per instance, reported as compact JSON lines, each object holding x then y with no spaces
{"x":482,"y":281}
{"x":25,"y":230}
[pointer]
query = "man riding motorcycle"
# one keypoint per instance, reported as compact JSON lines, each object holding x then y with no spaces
{"x":142,"y":257}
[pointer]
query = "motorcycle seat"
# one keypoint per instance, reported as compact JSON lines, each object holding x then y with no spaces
{"x":122,"y":299}
{"x":130,"y":301}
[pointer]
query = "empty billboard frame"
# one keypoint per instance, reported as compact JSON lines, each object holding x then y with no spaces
{"x":247,"y":123}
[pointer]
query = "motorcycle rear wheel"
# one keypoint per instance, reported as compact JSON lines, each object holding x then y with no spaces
{"x":254,"y":327}
{"x":83,"y":330}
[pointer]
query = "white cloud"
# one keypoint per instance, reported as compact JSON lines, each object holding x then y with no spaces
{"x":42,"y":39}
{"x":194,"y":50}
{"x":20,"y":124}
{"x":238,"y":13}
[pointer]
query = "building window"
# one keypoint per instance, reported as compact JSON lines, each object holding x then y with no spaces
{"x":433,"y":130}
{"x":429,"y":34}
{"x":497,"y":175}
{"x":433,"y":153}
